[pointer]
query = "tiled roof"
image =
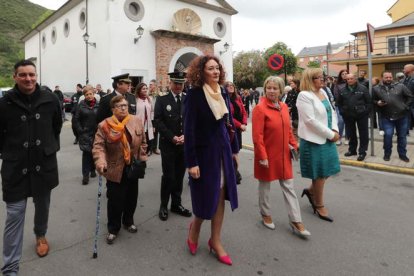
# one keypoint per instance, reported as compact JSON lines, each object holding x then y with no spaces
{"x":318,"y":50}
{"x":403,"y":22}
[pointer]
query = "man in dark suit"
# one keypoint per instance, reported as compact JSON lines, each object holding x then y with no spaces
{"x":121,"y":85}
{"x":168,"y":120}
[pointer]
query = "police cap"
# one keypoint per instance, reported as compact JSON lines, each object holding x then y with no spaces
{"x":177,"y":76}
{"x":122,"y":78}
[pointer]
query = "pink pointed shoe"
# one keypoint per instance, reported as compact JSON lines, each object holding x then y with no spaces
{"x":191,"y":246}
{"x":222,"y":259}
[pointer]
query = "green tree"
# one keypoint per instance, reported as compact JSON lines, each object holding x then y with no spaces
{"x":290,"y":59}
{"x":249,"y":69}
{"x":314,"y":64}
{"x":41,"y":18}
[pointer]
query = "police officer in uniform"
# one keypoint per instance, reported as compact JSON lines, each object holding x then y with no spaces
{"x":121,"y":85}
{"x":168,"y":120}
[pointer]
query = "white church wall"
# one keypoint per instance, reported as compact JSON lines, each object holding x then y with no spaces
{"x":64,"y":61}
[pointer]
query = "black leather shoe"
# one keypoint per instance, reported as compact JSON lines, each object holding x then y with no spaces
{"x":322,"y":217}
{"x":85,"y":180}
{"x":163,"y":213}
{"x":386,"y":158}
{"x":405,"y":159}
{"x":361,"y":157}
{"x":180,"y":210}
{"x":93,"y":174}
{"x":347,"y":154}
{"x":76,"y":141}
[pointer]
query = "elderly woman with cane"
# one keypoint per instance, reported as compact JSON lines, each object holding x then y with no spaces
{"x":209,"y":151}
{"x":119,"y":141}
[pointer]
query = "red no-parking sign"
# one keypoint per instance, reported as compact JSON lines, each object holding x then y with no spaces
{"x":275,"y":62}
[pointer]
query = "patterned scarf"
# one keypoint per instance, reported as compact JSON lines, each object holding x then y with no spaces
{"x":115,"y":132}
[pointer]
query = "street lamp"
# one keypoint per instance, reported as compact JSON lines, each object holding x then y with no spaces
{"x":86,"y":39}
{"x":328,"y":51}
{"x":93,"y":44}
{"x":140,"y":31}
{"x":226,"y":47}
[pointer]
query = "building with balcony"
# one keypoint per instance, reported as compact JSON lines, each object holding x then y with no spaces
{"x":393,"y":44}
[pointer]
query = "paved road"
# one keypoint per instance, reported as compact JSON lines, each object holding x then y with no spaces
{"x":371,"y":235}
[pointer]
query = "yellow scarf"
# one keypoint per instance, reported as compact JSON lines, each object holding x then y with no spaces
{"x":117,"y":132}
{"x":215,"y":101}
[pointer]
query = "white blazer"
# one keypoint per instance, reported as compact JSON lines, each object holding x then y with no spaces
{"x":313,"y":118}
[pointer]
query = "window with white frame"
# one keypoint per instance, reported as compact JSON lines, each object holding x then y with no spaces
{"x":401,"y":44}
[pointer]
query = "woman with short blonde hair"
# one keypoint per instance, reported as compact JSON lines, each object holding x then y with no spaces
{"x":273,"y":141}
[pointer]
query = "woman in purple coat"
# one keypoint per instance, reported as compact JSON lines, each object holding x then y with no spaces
{"x":209,"y":152}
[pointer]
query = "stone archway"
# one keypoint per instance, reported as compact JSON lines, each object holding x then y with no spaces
{"x":182,"y":58}
{"x":183,"y":62}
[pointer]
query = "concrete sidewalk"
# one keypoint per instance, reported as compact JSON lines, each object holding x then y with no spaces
{"x":375,"y":161}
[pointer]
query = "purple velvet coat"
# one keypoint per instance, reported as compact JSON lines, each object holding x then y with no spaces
{"x":207,"y":145}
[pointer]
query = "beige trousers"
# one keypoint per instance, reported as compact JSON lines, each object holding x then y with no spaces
{"x":289,"y":194}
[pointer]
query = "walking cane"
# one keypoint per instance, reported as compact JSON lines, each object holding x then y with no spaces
{"x":98,"y":211}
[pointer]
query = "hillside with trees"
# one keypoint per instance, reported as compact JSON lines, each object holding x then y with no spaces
{"x":17,"y":17}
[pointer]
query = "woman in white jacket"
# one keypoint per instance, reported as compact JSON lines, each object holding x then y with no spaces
{"x":318,"y":132}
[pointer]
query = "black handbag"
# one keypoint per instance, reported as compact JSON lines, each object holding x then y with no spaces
{"x":136,"y":169}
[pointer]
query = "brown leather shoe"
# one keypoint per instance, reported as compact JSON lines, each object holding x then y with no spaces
{"x":42,"y":247}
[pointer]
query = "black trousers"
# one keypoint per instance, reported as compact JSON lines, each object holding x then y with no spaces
{"x":87,"y":163}
{"x":351,"y":124}
{"x":154,"y":142}
{"x":173,"y":170}
{"x":122,"y":202}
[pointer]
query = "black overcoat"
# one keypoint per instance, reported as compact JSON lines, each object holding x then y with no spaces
{"x":104,"y":110}
{"x":29,"y":140}
{"x":86,"y":125}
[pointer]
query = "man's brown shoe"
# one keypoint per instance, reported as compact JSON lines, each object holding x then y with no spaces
{"x":42,"y":247}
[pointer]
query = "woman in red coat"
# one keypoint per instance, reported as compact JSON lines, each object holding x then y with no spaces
{"x":273,"y":139}
{"x":239,"y":119}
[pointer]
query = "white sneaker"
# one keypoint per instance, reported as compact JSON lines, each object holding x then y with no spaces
{"x":339,"y":142}
{"x":381,"y":133}
{"x":346,"y":142}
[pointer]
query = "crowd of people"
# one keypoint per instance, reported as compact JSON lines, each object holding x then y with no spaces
{"x":118,"y":131}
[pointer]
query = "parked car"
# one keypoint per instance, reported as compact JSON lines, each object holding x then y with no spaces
{"x":67,"y":100}
{"x":3,"y":90}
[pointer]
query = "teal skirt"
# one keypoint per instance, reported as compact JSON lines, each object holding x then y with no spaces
{"x":318,"y":161}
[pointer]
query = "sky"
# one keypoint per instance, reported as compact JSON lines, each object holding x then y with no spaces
{"x":298,"y":23}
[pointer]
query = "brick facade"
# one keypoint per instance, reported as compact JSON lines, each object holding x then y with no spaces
{"x":166,"y":47}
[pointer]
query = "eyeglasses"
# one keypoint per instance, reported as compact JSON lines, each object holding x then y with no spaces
{"x":25,"y":75}
{"x":121,"y":106}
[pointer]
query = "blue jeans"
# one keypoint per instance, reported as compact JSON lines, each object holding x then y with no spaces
{"x":401,"y":126}
{"x":14,"y":228}
{"x":341,"y":124}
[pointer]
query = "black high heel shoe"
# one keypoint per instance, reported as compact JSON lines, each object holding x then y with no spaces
{"x":309,"y":195}
{"x":327,"y":218}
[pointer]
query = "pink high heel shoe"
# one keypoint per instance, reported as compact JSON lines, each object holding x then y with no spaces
{"x":222,"y":259}
{"x":191,"y":246}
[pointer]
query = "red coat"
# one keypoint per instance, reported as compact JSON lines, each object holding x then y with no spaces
{"x":272,"y":135}
{"x":239,"y":102}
